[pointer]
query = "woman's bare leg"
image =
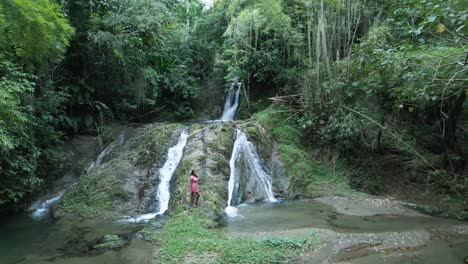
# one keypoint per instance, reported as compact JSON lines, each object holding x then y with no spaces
{"x":192,"y":194}
{"x":198,"y":197}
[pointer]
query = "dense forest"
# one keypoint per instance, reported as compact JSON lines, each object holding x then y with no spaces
{"x":380,"y":85}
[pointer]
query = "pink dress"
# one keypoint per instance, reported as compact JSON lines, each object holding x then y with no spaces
{"x":193,"y":184}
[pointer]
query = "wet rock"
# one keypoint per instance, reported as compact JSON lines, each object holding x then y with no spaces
{"x":207,"y":152}
{"x":124,"y":185}
{"x":110,"y":242}
{"x":271,"y":162}
{"x":436,"y":211}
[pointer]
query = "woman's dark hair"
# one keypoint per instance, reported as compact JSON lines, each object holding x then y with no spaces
{"x":193,"y":173}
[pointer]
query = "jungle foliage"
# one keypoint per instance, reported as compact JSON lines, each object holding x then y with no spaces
{"x":386,"y":77}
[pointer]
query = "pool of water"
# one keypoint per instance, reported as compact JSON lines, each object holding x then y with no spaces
{"x":296,"y":214}
{"x":67,"y":240}
{"x":435,"y":251}
{"x":300,"y":214}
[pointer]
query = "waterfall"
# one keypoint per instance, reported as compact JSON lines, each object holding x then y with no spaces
{"x":106,"y":151}
{"x":232,"y":102}
{"x":246,"y":149}
{"x":43,"y":209}
{"x":233,"y":183}
{"x":173,"y":158}
{"x":163,"y":194}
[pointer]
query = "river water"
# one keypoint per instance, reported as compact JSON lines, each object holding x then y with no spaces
{"x":68,"y":240}
{"x":296,"y":214}
{"x":267,"y":218}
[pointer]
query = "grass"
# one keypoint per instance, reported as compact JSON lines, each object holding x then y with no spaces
{"x":155,"y":140}
{"x":186,"y":238}
{"x":307,"y":172}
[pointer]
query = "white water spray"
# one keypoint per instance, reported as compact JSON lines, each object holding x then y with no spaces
{"x":232,"y":102}
{"x":233,"y":183}
{"x":163,"y":194}
{"x":43,"y":209}
{"x":106,"y":151}
{"x":252,"y":160}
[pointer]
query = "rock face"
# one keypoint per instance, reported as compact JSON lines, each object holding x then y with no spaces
{"x":126,"y":183}
{"x":271,"y":163}
{"x":208,"y":151}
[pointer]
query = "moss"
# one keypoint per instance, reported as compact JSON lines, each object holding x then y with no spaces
{"x":110,"y":242}
{"x":100,"y":192}
{"x":186,"y":234}
{"x":184,"y":170}
{"x":220,"y":163}
{"x":253,"y":133}
{"x":155,"y":142}
{"x":211,"y":198}
{"x":179,"y":193}
{"x":223,"y":141}
{"x":243,"y":110}
{"x":307,"y":172}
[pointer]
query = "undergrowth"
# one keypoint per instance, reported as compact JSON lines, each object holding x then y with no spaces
{"x":186,"y":238}
{"x":308,"y":172}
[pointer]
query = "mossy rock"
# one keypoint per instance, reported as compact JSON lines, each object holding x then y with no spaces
{"x":110,"y":242}
{"x":116,"y":187}
{"x":96,"y":192}
{"x":207,"y":152}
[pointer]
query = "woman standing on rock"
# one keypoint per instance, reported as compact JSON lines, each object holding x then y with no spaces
{"x":194,"y":191}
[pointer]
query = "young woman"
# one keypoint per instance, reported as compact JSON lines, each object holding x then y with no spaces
{"x":194,"y":191}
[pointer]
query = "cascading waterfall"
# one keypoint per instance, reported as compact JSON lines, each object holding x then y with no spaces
{"x":246,"y":149}
{"x":232,"y":102}
{"x":233,"y":183}
{"x":43,"y":209}
{"x":167,"y":171}
{"x":255,"y":164}
{"x":163,"y":194}
{"x":107,"y":150}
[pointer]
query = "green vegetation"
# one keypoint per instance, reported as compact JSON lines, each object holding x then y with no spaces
{"x":97,"y":193}
{"x":185,"y":238}
{"x":307,"y":172}
{"x":101,"y":191}
{"x":155,"y":139}
{"x":33,"y":36}
{"x":378,"y":85}
{"x":209,"y":156}
{"x":110,"y":242}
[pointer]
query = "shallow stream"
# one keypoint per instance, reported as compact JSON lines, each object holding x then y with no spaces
{"x":267,"y":218}
{"x":71,"y":239}
{"x":296,"y":214}
{"x":67,"y":240}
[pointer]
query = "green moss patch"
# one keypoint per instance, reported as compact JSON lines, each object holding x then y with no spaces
{"x":154,"y":143}
{"x":101,"y":192}
{"x":307,"y":172}
{"x":96,"y":192}
{"x":185,"y":236}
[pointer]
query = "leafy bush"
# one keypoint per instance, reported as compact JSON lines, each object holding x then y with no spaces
{"x":17,"y":145}
{"x":307,"y":171}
